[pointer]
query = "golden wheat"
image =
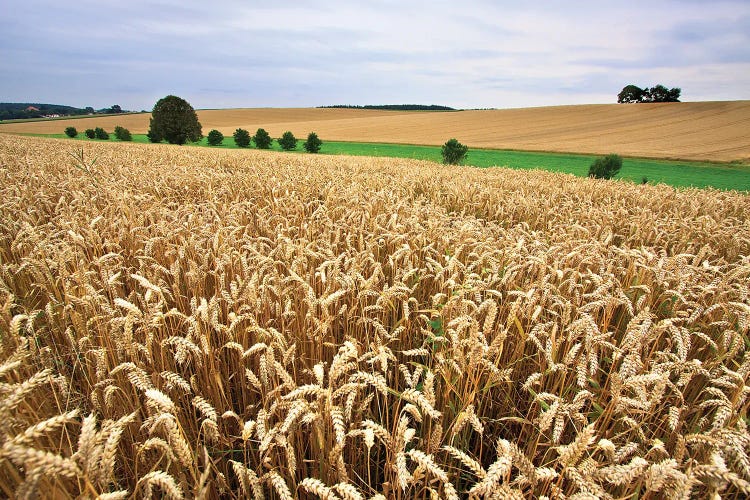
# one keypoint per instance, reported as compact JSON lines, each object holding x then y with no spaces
{"x":193,"y":323}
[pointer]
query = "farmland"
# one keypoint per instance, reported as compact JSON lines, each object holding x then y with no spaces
{"x":702,"y":131}
{"x":191,"y":322}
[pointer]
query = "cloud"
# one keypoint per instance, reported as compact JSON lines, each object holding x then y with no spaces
{"x":478,"y":53}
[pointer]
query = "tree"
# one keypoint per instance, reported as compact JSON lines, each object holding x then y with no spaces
{"x":241,"y":137}
{"x":123,"y":134}
{"x":100,"y":133}
{"x":631,"y":93}
{"x":71,"y":132}
{"x":605,"y":167}
{"x":288,"y":142}
{"x":90,"y":133}
{"x":313,"y":143}
{"x":454,"y":152}
{"x":657,"y":93}
{"x":262,"y":139}
{"x":174,"y":119}
{"x":215,"y":138}
{"x":660,"y":93}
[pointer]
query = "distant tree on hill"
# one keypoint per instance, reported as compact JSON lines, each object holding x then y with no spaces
{"x":71,"y":132}
{"x":215,"y":138}
{"x":90,"y":133}
{"x":123,"y":134}
{"x":175,"y":120}
{"x":605,"y":167}
{"x":100,"y":133}
{"x":631,"y":93}
{"x":241,"y":137}
{"x":313,"y":143}
{"x":262,"y":139}
{"x":454,"y":152}
{"x":288,"y":142}
{"x":658,"y":93}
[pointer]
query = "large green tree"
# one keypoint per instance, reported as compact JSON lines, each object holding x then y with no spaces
{"x":173,"y":119}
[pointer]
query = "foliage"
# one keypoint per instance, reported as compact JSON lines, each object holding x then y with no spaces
{"x":71,"y":132}
{"x":287,"y":141}
{"x":215,"y":138}
{"x":153,"y":136}
{"x":100,"y":133}
{"x":395,"y":107}
{"x":262,"y":139}
{"x":605,"y":167}
{"x":123,"y":134}
{"x":313,"y":143}
{"x":631,"y":93}
{"x":174,"y":120}
{"x":90,"y":133}
{"x":241,"y":138}
{"x":454,"y":152}
{"x":658,"y":93}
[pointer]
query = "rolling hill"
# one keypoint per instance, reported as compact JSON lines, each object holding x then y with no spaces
{"x":708,"y":131}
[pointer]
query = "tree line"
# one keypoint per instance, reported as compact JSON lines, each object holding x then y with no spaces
{"x":657,"y":93}
{"x":394,"y":107}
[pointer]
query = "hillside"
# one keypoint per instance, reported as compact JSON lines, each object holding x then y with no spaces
{"x":713,"y":131}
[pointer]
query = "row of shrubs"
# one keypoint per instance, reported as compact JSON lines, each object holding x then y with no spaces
{"x":121,"y":133}
{"x":263,"y":140}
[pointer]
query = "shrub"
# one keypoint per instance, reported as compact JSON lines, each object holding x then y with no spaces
{"x":215,"y":138}
{"x":174,"y":119}
{"x":153,"y":136}
{"x":288,"y":142}
{"x":90,"y":133}
{"x":454,"y":152}
{"x":71,"y":132}
{"x":262,"y":139}
{"x":605,"y":167}
{"x":313,"y":143}
{"x":241,"y":137}
{"x":100,"y":133}
{"x":123,"y":134}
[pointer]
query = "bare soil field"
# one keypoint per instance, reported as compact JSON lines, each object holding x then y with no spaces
{"x":709,"y":131}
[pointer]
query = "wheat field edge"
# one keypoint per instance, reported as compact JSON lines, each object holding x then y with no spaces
{"x":186,"y":323}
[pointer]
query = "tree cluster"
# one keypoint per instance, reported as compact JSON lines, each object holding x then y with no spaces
{"x":657,"y":93}
{"x":173,"y":119}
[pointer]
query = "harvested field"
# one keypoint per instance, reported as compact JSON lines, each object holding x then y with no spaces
{"x":197,"y":323}
{"x":709,"y":131}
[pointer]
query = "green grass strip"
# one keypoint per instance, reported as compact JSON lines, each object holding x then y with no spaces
{"x":724,"y":176}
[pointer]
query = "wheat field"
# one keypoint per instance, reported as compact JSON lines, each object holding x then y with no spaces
{"x":707,"y":131}
{"x":190,"y":323}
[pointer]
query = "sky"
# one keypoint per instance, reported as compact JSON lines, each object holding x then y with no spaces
{"x":464,"y":54}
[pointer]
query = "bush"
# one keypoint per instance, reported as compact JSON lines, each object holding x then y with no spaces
{"x":262,"y":139}
{"x":241,"y":137}
{"x":215,"y":138}
{"x":71,"y":132}
{"x":313,"y":143}
{"x":288,"y":142}
{"x":123,"y":134}
{"x":153,"y":136}
{"x":100,"y":133}
{"x":90,"y":133}
{"x":174,"y":119}
{"x":605,"y":167}
{"x":454,"y":152}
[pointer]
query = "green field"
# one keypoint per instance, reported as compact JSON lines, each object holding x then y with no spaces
{"x":674,"y":173}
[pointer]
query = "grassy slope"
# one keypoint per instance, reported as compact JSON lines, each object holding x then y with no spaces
{"x":674,"y":173}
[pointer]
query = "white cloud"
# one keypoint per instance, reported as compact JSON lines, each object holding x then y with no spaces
{"x":476,"y":53}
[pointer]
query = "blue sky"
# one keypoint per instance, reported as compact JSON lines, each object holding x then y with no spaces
{"x":468,"y":54}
